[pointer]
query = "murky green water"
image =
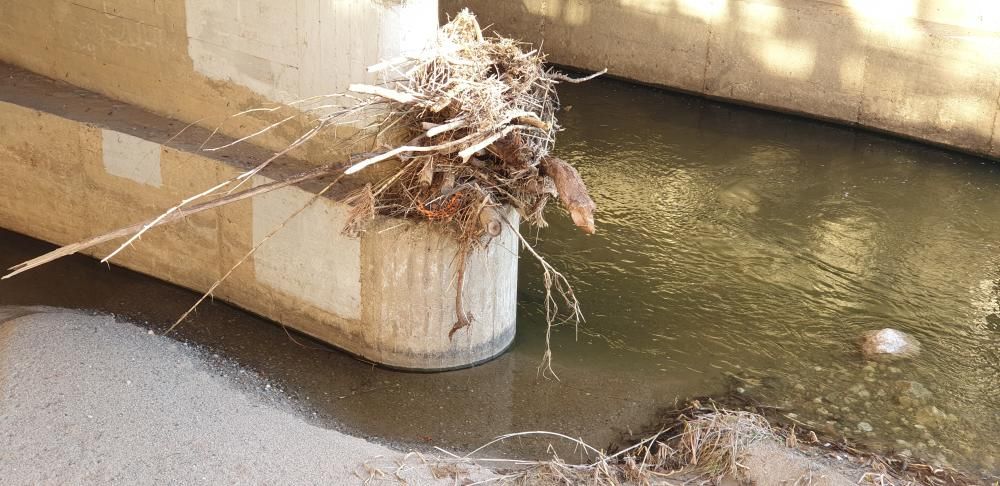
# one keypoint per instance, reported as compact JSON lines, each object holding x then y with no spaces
{"x":735,"y":241}
{"x":736,"y":249}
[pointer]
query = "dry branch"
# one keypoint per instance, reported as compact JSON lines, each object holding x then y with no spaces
{"x":169,"y":217}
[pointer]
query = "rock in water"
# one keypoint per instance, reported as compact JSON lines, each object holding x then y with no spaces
{"x":888,"y":343}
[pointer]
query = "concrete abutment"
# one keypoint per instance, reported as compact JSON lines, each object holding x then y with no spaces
{"x":927,"y":70}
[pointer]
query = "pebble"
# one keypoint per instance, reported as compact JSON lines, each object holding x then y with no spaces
{"x":865,"y":427}
{"x":888,"y":343}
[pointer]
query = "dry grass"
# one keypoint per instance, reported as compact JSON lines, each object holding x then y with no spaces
{"x":716,"y":441}
{"x":704,"y":444}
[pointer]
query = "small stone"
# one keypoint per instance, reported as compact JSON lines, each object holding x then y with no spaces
{"x":930,"y":415}
{"x":150,"y":332}
{"x":865,"y":427}
{"x":888,"y":344}
{"x":911,"y":393}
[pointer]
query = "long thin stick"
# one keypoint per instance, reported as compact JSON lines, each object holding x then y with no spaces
{"x":251,"y":252}
{"x":406,"y":148}
{"x":564,"y":78}
{"x":174,"y":216}
{"x":165,"y":214}
{"x":551,"y":277}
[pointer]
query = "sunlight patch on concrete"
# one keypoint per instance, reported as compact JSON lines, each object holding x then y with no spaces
{"x":649,"y":6}
{"x":707,"y":10}
{"x":892,"y":19}
{"x":576,"y":13}
{"x":551,"y":9}
{"x":980,"y":15}
{"x":986,"y":47}
{"x":852,"y":72}
{"x":760,"y":19}
{"x":786,"y":58}
{"x":966,"y":110}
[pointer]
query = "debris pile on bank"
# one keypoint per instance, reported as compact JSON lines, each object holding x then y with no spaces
{"x":479,"y":114}
{"x":704,"y":443}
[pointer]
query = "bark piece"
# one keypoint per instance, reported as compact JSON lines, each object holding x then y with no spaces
{"x":572,"y":192}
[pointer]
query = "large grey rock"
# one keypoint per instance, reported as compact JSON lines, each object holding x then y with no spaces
{"x":888,"y":344}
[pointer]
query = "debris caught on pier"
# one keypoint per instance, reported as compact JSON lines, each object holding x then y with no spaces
{"x":481,"y":119}
{"x":478,"y":113}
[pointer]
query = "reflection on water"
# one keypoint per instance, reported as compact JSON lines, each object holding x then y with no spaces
{"x":731,"y":244}
{"x":734,"y":242}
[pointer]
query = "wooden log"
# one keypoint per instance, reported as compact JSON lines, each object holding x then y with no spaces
{"x":572,"y":192}
{"x":426,"y":175}
{"x":491,"y":221}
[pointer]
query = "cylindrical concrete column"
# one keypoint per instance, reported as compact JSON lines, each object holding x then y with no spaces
{"x":408,"y":289}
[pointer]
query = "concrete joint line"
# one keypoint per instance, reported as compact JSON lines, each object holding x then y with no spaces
{"x":109,"y":14}
{"x":991,"y":147}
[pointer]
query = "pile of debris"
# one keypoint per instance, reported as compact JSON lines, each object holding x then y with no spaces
{"x":481,"y":117}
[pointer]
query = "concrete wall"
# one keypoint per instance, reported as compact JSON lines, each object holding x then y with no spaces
{"x":925,"y":69}
{"x":75,"y":164}
{"x":203,"y":60}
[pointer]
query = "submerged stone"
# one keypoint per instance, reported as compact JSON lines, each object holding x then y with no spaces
{"x":911,"y":393}
{"x":888,"y":343}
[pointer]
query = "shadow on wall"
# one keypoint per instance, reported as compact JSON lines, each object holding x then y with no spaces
{"x":925,"y":69}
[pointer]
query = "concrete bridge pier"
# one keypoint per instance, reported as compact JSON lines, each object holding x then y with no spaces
{"x":93,"y":94}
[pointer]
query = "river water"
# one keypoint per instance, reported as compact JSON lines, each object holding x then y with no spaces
{"x":738,"y":251}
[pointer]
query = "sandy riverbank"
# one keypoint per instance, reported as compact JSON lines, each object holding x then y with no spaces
{"x":87,"y":399}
